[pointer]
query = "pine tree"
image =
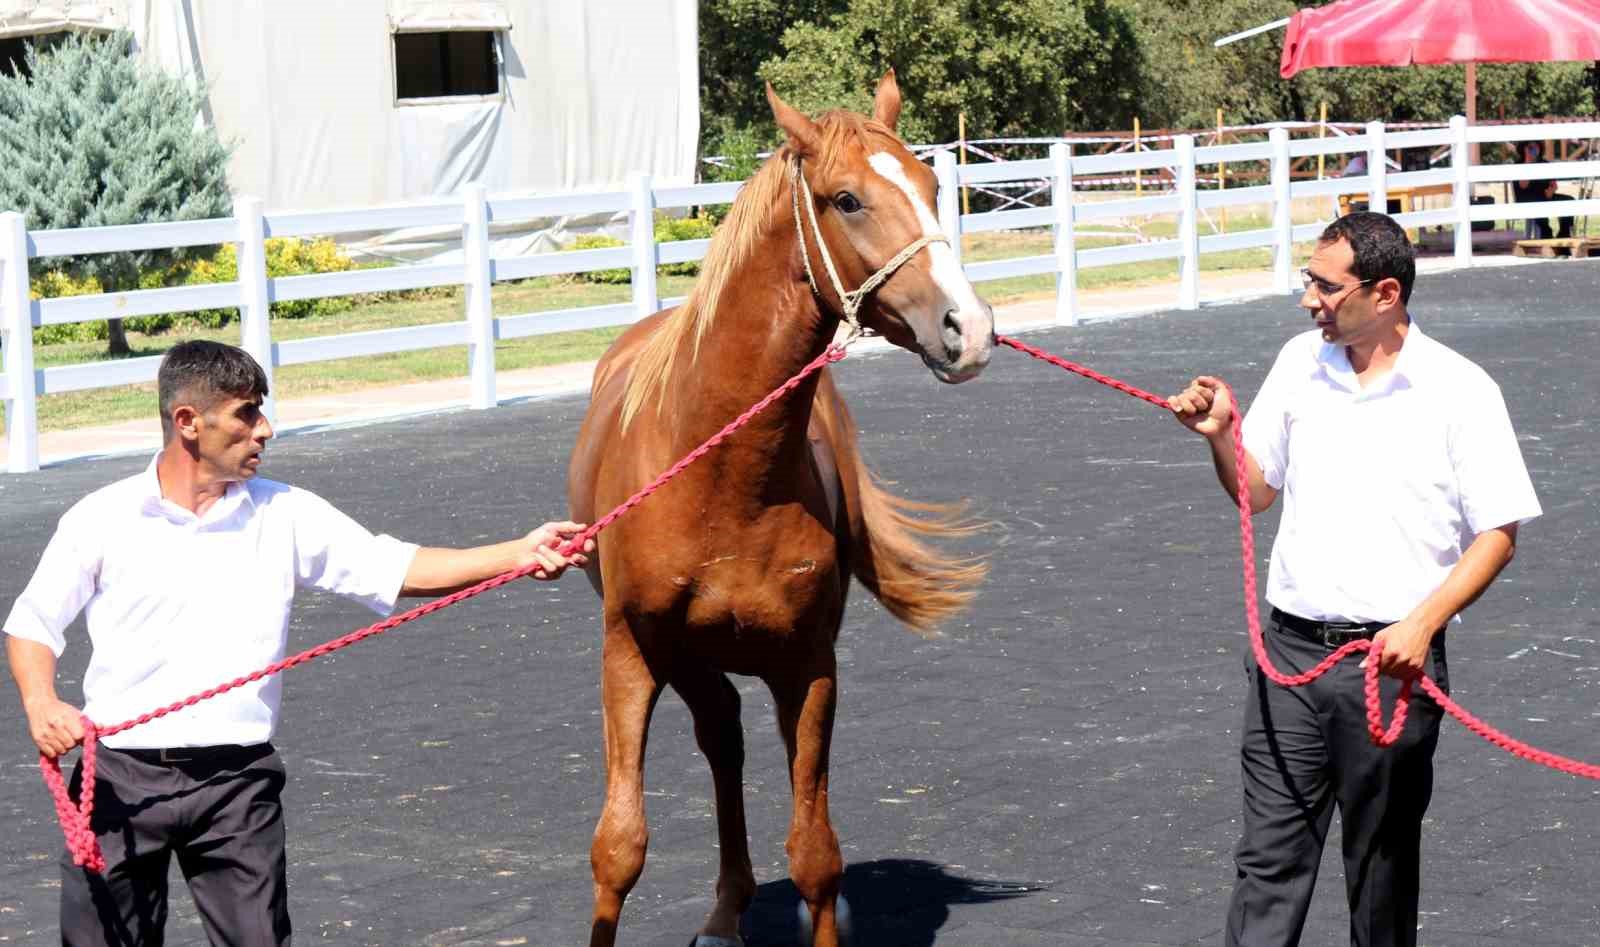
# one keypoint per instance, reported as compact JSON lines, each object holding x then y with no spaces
{"x":92,"y":138}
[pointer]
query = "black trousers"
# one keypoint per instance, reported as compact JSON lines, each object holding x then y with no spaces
{"x":1306,"y":750}
{"x":220,"y":815}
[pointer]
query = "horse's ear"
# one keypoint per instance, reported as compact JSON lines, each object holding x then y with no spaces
{"x":804,"y":135}
{"x":886,"y":101}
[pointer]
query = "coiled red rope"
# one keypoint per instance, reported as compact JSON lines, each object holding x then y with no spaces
{"x":1247,"y":543}
{"x":75,"y":818}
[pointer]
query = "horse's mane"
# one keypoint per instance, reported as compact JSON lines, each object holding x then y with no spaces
{"x":762,"y":199}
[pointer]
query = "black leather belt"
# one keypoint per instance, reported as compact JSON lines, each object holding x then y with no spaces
{"x":1333,"y":634}
{"x":225,"y":753}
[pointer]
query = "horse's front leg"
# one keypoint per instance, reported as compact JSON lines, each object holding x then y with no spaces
{"x":628,"y":693}
{"x":805,"y":704}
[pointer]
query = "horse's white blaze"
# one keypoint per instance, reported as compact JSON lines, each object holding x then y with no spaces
{"x":947,"y":272}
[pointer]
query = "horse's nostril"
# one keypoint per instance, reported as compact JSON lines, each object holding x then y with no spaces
{"x":951,"y":336}
{"x":951,"y":326}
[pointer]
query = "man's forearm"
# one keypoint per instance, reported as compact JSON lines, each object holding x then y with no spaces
{"x":1222,"y":458}
{"x":442,"y":571}
{"x":1489,"y":553}
{"x":33,"y":667}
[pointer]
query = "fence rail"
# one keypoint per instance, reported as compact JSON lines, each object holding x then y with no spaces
{"x":22,"y":382}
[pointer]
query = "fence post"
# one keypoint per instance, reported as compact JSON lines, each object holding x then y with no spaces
{"x":479,"y":285}
{"x":1066,"y":239}
{"x":1377,"y":170}
{"x":16,"y":319}
{"x":1188,"y":227}
{"x":255,"y":329}
{"x":944,"y":168}
{"x":642,"y":238}
{"x":1460,"y":163}
{"x":1282,"y":212}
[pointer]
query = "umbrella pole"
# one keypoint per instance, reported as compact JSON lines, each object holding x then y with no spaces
{"x":1472,"y":107}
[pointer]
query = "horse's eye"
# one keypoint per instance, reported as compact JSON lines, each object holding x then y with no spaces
{"x":846,"y":202}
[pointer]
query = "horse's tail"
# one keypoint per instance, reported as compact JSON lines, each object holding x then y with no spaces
{"x":916,"y":583}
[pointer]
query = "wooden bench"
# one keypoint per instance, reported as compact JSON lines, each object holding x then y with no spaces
{"x":1575,"y":247}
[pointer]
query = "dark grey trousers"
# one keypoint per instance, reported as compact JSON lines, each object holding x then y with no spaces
{"x":1305,"y":750}
{"x":223,"y":819}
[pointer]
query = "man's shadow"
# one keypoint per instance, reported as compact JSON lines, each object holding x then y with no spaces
{"x":894,"y":902}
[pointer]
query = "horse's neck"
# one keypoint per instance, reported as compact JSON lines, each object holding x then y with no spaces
{"x":767,"y":327}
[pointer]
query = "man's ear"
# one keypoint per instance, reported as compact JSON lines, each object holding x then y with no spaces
{"x":804,"y":135}
{"x":1388,"y":290}
{"x":185,"y":422}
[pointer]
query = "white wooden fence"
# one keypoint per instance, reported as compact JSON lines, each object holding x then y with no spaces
{"x":22,"y":382}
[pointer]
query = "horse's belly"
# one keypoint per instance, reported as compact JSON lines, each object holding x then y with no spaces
{"x":744,"y":622}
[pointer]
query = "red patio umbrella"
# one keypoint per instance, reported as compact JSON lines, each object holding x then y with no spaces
{"x":1433,"y":32}
{"x":1429,"y":32}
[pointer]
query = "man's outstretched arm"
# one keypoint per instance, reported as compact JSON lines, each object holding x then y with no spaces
{"x":435,"y":571}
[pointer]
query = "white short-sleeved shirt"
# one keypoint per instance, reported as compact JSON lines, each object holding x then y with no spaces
{"x":1385,"y":486}
{"x":177,"y":603}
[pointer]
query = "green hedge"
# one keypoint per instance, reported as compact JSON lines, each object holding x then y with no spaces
{"x":286,"y":256}
{"x":667,"y":230}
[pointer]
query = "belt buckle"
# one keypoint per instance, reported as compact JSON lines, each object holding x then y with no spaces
{"x":1339,"y":637}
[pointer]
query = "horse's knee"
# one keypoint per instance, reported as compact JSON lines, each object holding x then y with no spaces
{"x":815,"y":865}
{"x":618,"y":852}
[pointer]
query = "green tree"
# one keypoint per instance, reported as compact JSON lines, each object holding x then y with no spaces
{"x":1015,"y":67}
{"x":93,"y":139}
{"x":736,"y":37}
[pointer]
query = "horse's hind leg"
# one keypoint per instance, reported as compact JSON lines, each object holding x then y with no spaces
{"x":805,"y":715}
{"x":714,"y":702}
{"x":628,"y":693}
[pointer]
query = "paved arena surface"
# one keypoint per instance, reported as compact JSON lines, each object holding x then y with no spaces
{"x":1060,"y":768}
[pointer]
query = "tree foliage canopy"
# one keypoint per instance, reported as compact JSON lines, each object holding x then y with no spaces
{"x":1016,"y":67}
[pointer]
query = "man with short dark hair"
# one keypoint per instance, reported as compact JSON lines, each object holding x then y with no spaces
{"x":1403,"y":488}
{"x":186,"y":573}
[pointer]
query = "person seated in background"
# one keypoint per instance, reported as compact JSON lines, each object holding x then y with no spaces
{"x":1533,"y":191}
{"x":1357,"y":168}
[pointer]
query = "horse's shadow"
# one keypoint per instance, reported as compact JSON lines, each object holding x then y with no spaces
{"x":894,"y":902}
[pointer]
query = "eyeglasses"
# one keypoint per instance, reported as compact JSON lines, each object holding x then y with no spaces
{"x":1325,"y":288}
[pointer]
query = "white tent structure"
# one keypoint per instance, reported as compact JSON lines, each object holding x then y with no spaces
{"x":341,"y":103}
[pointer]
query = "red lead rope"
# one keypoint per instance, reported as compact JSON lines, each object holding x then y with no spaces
{"x":1247,"y":545}
{"x":75,"y":819}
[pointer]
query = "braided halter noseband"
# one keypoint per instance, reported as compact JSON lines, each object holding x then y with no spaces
{"x":851,"y":301}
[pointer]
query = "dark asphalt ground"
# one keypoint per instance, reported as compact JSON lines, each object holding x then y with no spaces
{"x":1059,"y":768}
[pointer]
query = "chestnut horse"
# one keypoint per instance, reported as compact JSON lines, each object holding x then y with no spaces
{"x":740,"y":565}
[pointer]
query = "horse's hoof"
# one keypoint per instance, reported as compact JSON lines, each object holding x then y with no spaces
{"x":841,"y":918}
{"x":711,"y":940}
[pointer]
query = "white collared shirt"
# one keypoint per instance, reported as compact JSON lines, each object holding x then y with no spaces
{"x":1385,"y":486}
{"x":177,"y":603}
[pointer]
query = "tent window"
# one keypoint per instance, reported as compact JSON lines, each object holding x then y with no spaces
{"x":454,"y":63}
{"x":14,"y":51}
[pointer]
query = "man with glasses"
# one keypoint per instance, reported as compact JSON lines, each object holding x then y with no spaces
{"x":1403,"y":488}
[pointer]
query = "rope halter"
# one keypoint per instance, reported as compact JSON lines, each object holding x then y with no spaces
{"x":850,"y":302}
